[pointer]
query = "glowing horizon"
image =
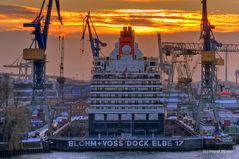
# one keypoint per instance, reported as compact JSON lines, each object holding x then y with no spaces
{"x":144,"y":21}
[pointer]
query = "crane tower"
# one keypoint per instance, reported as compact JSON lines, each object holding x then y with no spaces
{"x":36,"y":52}
{"x":61,"y":79}
{"x":208,"y":67}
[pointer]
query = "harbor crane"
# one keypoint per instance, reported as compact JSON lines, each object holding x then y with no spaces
{"x":207,"y":50}
{"x":36,"y":52}
{"x":95,"y":42}
{"x":61,"y":79}
{"x":208,"y":68}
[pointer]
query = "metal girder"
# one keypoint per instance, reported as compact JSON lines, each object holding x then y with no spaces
{"x":175,"y":47}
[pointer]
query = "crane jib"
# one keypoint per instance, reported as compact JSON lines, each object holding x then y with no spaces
{"x":36,"y":52}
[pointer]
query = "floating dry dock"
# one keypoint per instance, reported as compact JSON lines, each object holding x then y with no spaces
{"x":147,"y":144}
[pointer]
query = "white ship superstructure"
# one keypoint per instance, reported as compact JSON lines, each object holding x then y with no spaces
{"x":126,"y":92}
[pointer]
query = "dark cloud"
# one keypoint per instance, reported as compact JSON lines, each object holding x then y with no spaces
{"x":15,"y":10}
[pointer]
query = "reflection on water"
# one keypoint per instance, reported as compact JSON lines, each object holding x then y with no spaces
{"x":136,"y":155}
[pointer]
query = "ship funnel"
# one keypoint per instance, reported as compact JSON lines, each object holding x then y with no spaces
{"x":126,"y":40}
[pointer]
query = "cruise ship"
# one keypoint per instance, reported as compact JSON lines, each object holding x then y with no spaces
{"x":128,"y":110}
{"x":126,"y":92}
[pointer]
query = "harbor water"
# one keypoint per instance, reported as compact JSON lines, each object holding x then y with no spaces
{"x":206,"y":154}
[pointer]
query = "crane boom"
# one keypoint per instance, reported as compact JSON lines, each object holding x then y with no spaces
{"x":185,"y":48}
{"x":95,"y":42}
{"x":36,"y":53}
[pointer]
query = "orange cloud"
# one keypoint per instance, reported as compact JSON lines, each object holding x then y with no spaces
{"x":146,"y":1}
{"x":111,"y":21}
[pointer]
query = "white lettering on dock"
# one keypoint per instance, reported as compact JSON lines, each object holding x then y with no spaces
{"x":125,"y":143}
{"x":162,"y":143}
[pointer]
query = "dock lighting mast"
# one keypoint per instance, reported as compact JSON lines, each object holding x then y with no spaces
{"x":61,"y":79}
{"x":95,"y":42}
{"x":208,"y":69}
{"x":36,"y":52}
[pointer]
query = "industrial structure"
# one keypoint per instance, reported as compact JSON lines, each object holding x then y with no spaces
{"x":24,"y":67}
{"x":208,"y":69}
{"x":61,"y":79}
{"x":36,"y":52}
{"x":207,"y":50}
{"x":95,"y":42}
{"x":128,"y":108}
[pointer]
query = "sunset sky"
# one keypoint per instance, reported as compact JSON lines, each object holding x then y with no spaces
{"x":177,"y":20}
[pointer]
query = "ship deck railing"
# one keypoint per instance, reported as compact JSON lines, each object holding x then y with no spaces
{"x":129,"y":138}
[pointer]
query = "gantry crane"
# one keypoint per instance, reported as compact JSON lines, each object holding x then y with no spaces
{"x":36,"y":52}
{"x":95,"y":42}
{"x":23,"y":68}
{"x":61,"y":79}
{"x":207,"y":50}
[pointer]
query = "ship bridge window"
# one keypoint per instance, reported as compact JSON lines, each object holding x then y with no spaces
{"x":126,"y":117}
{"x":112,"y":95}
{"x":104,"y":102}
{"x":140,"y":117}
{"x":159,"y":89}
{"x":153,"y":116}
{"x":147,"y":101}
{"x":131,"y":102}
{"x":99,"y":116}
{"x":112,"y":116}
{"x":140,"y":101}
